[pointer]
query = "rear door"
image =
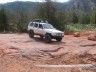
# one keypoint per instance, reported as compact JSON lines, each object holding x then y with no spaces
{"x":30,"y":26}
{"x":36,"y":28}
{"x":40,"y":29}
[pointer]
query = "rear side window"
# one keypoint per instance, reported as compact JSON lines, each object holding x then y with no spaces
{"x":36,"y":25}
{"x":31,"y":24}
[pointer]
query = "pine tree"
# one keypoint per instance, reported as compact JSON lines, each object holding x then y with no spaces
{"x":47,"y":11}
{"x":84,"y":18}
{"x":93,"y":17}
{"x":4,"y":26}
{"x":74,"y":18}
{"x":21,"y":23}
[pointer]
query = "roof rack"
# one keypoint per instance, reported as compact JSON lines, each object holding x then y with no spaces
{"x":40,"y":20}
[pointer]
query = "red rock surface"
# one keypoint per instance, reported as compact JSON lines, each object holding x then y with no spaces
{"x":77,"y":34}
{"x":19,"y":53}
{"x":92,"y":37}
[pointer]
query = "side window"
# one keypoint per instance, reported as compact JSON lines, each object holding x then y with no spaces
{"x":40,"y":26}
{"x":36,"y":25}
{"x":31,"y":24}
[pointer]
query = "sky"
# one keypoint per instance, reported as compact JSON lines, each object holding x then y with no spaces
{"x":5,"y":1}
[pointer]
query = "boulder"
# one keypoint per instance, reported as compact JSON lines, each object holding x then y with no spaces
{"x":92,"y":37}
{"x":77,"y":34}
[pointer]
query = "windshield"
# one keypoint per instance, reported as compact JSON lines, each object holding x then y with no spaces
{"x":48,"y":26}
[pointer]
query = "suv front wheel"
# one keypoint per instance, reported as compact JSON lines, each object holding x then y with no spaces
{"x":31,"y":34}
{"x":58,"y":39}
{"x":41,"y":37}
{"x":47,"y":38}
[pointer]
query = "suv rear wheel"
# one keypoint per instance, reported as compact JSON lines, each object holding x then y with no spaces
{"x":31,"y":34}
{"x":47,"y":38}
{"x":58,"y":39}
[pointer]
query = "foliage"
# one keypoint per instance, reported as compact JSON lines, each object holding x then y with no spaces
{"x":80,"y":27}
{"x":70,"y":20}
{"x":93,"y":17}
{"x":84,"y":18}
{"x":21,"y":23}
{"x":3,"y":21}
{"x":47,"y":11}
{"x":61,"y":17}
{"x":74,"y":17}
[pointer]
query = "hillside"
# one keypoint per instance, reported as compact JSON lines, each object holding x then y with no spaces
{"x":25,"y":6}
{"x":85,"y":5}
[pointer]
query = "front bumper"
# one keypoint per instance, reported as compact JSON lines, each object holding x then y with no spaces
{"x":54,"y":37}
{"x":60,"y":35}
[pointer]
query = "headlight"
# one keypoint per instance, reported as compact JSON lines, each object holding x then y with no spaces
{"x":62,"y":34}
{"x":58,"y":34}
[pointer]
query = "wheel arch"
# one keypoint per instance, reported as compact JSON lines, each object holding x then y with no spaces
{"x":48,"y":34}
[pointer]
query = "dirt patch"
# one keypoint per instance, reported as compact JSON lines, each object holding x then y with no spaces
{"x":92,"y":37}
{"x":77,"y":34}
{"x":19,"y":53}
{"x":87,"y":57}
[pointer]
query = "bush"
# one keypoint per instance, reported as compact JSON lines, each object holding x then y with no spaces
{"x":79,"y":27}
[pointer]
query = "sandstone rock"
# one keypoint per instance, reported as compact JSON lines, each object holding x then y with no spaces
{"x":92,"y":37}
{"x":77,"y":34}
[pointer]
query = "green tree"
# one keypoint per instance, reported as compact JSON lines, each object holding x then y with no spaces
{"x":47,"y":11}
{"x":84,"y":18}
{"x":21,"y":23}
{"x":61,"y":17}
{"x":74,"y":17}
{"x":93,"y":17}
{"x":4,"y":26}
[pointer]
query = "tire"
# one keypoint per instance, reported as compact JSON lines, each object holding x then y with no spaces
{"x":58,"y":39}
{"x":41,"y":37}
{"x":47,"y":38}
{"x":31,"y":34}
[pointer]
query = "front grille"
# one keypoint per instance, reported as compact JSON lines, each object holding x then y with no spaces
{"x":58,"y":34}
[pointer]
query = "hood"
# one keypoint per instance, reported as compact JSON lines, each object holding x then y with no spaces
{"x":53,"y":31}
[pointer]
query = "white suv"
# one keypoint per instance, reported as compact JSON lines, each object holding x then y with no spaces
{"x":44,"y":30}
